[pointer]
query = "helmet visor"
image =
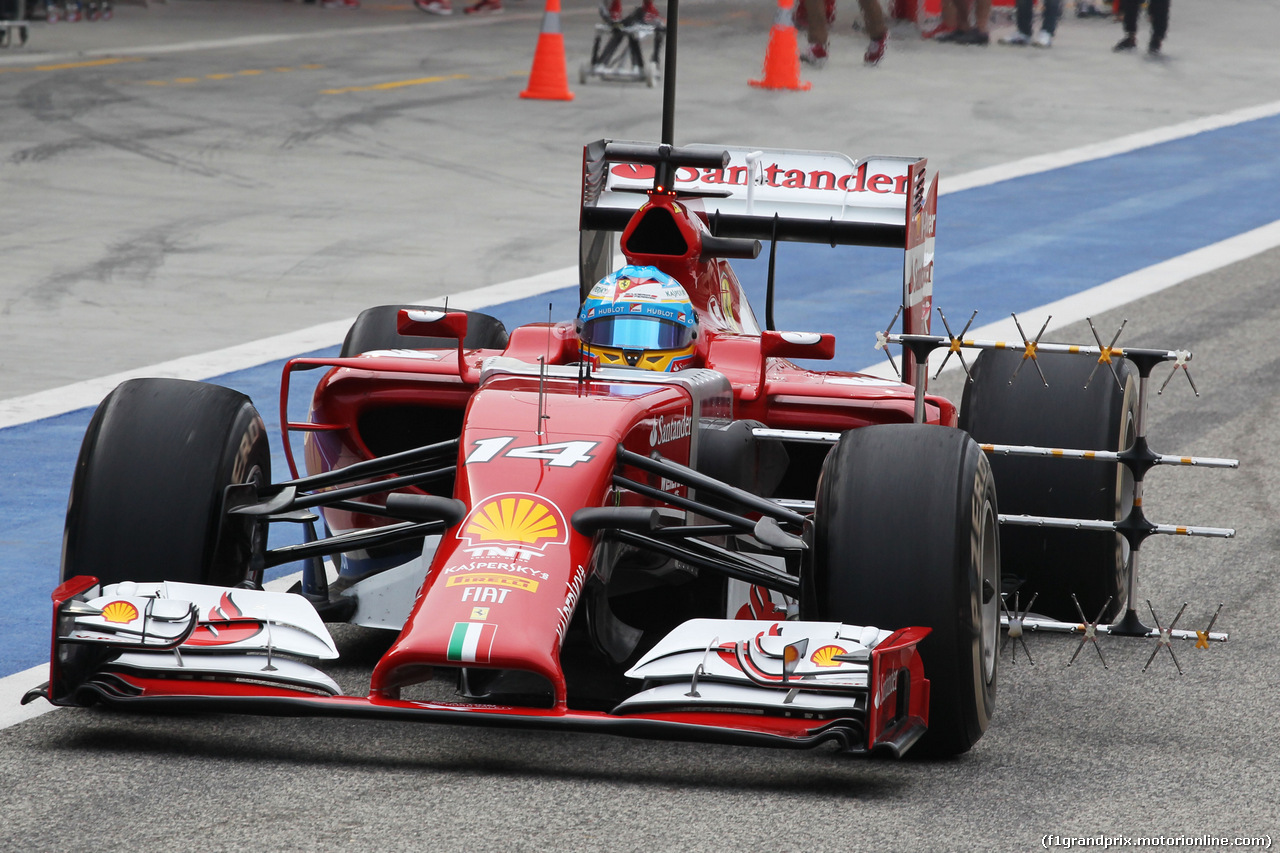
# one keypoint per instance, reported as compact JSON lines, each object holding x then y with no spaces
{"x":637,"y":333}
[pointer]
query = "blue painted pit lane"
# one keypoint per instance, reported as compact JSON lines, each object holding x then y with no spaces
{"x":1009,"y":246}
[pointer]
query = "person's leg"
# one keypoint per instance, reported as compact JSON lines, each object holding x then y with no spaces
{"x":959,"y":18}
{"x":873,"y":19}
{"x":816,"y":53}
{"x":1129,"y":8}
{"x":1022,"y":16}
{"x":981,"y":15}
{"x":1052,"y":12}
{"x":816,"y":12}
{"x":981,"y":19}
{"x":1130,"y":40}
{"x":1159,"y":12}
{"x":877,"y":30}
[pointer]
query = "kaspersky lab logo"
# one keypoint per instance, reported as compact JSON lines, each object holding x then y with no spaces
{"x":665,"y":430}
{"x":515,"y":519}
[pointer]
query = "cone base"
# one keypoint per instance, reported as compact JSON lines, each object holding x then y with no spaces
{"x":547,"y":96}
{"x":803,"y":86}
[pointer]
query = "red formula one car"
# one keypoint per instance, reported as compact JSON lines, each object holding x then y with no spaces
{"x":727,"y":548}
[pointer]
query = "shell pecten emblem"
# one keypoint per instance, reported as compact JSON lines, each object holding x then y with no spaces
{"x":119,"y":612}
{"x":825,"y":656}
{"x":515,"y":519}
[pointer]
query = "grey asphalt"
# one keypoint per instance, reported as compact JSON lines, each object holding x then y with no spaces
{"x":145,"y":218}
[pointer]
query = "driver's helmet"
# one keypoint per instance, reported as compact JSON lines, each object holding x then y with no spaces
{"x":638,"y":317}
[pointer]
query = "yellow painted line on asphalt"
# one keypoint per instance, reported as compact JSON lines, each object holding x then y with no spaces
{"x":65,"y":66}
{"x":228,"y":75}
{"x":395,"y":84}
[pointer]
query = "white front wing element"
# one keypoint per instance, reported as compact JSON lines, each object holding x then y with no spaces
{"x":258,"y":667}
{"x":745,"y":663}
{"x":173,"y":629}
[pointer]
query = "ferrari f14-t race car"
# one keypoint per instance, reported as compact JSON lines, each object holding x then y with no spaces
{"x":646,"y":521}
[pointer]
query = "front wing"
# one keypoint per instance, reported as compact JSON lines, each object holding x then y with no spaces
{"x":185,"y":647}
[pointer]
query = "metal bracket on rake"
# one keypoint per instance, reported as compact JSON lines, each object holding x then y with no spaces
{"x":956,"y":343}
{"x":1090,"y":634}
{"x":1165,"y":636}
{"x":1029,"y":349}
{"x":1106,"y":353}
{"x":1180,"y":362}
{"x":1202,"y":637}
{"x":1015,"y":626}
{"x":882,"y":341}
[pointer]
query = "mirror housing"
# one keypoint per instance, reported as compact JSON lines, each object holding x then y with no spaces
{"x":798,"y":345}
{"x":432,"y":323}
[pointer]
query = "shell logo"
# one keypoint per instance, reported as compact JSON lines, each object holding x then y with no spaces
{"x":516,"y":519}
{"x":825,"y":656}
{"x":119,"y":612}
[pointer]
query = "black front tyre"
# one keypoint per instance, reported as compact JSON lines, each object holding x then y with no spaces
{"x":906,"y":534}
{"x":147,"y":494}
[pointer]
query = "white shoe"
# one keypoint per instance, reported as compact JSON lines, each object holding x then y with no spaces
{"x":815,"y":55}
{"x":1018,"y":39}
{"x":1044,"y":38}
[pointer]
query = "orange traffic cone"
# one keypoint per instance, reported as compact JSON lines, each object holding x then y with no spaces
{"x":549,"y":77}
{"x":782,"y":56}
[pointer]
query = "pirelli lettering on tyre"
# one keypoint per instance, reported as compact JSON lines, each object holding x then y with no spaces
{"x":515,"y":519}
{"x":669,"y":429}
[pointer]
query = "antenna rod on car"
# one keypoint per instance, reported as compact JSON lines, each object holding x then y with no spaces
{"x":669,"y":75}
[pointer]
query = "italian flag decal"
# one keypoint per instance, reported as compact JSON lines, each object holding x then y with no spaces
{"x":471,"y":641}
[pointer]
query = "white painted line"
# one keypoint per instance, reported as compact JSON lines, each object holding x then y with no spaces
{"x":57,"y":401}
{"x":1117,"y":292}
{"x":1101,"y":150}
{"x":12,"y":688}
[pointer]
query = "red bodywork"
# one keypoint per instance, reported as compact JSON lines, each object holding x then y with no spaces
{"x":529,"y":602}
{"x":504,"y":584}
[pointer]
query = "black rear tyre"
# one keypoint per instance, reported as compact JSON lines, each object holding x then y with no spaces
{"x":1053,"y":564}
{"x":147,"y":494}
{"x":375,"y":329}
{"x":906,"y":534}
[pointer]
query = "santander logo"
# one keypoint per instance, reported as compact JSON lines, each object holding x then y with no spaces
{"x":774,"y":175}
{"x":665,"y":430}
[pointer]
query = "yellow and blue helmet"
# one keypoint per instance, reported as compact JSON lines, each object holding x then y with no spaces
{"x":638,"y":317}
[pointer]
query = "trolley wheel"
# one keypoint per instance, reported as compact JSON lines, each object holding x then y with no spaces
{"x":584,"y":73}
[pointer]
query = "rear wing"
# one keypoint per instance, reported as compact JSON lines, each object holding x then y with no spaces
{"x":771,"y":194}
